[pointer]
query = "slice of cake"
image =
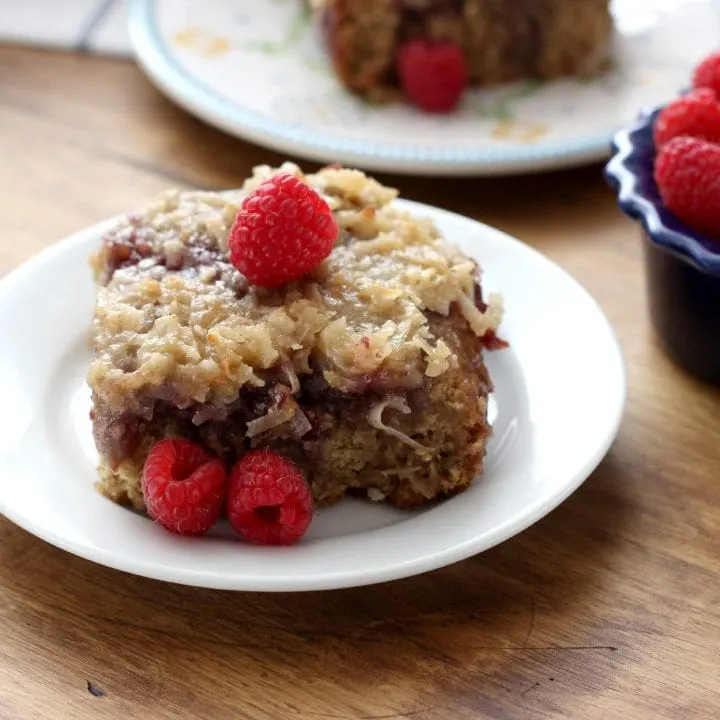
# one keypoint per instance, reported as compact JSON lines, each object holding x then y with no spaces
{"x":498,"y":40}
{"x":367,"y":372}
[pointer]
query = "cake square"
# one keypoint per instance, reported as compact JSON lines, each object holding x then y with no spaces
{"x":368,"y":372}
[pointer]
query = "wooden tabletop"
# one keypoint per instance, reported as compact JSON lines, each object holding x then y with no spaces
{"x":608,"y":608}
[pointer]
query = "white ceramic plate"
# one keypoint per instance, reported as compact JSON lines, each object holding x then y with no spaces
{"x":559,"y":398}
{"x":258,"y":70}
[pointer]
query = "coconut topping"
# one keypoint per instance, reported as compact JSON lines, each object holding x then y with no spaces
{"x":175,"y":320}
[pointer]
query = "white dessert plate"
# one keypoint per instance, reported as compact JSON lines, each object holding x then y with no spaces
{"x":258,"y":70}
{"x":560,"y":392}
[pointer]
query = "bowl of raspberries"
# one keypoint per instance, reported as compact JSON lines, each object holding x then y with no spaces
{"x":666,"y":171}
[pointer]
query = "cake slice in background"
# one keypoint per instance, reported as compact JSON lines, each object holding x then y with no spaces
{"x":499,"y":40}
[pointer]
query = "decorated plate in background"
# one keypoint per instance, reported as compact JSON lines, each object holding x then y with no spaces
{"x":259,"y":71}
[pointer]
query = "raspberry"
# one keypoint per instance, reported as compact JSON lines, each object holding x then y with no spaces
{"x":283,"y":230}
{"x":687,"y":171}
{"x":269,"y":501}
{"x":696,"y":114}
{"x":183,"y":486}
{"x":707,"y":74}
{"x":432,"y":74}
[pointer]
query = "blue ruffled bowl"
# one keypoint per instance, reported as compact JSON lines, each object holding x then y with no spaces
{"x":682,"y":266}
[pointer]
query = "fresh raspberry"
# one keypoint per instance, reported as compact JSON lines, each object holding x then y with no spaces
{"x":269,"y":502}
{"x":432,"y":74}
{"x":183,"y":486}
{"x":696,"y":114}
{"x":707,"y":74}
{"x":283,"y":230}
{"x":687,"y":172}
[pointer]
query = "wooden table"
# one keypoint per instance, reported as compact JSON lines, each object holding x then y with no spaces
{"x":608,"y":608}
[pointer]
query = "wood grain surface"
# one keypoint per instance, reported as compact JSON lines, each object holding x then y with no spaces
{"x":608,"y":608}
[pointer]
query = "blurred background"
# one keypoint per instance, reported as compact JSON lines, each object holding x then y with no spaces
{"x":81,"y":25}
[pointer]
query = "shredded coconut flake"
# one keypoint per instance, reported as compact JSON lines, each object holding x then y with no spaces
{"x":292,"y":378}
{"x":481,"y":322}
{"x":375,"y":419}
{"x":271,"y":420}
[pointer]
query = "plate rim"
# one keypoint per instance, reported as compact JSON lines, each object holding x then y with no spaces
{"x":195,"y":97}
{"x":423,"y":563}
